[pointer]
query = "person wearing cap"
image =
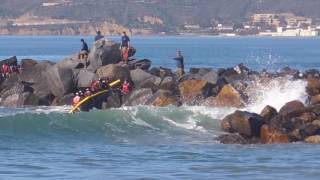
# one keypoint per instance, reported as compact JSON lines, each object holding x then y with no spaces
{"x":125,"y":46}
{"x":98,"y":36}
{"x":180,"y":64}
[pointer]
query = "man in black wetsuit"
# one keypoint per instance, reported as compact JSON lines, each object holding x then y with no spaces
{"x":180,"y":64}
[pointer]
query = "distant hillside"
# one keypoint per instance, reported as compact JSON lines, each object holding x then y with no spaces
{"x":167,"y":14}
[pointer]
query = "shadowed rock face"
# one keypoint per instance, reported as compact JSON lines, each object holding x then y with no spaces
{"x":103,"y":52}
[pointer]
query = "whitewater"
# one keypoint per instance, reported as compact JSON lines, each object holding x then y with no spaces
{"x":158,"y":142}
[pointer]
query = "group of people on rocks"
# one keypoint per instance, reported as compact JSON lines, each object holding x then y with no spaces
{"x":7,"y":69}
{"x":125,"y":47}
{"x":98,"y":86}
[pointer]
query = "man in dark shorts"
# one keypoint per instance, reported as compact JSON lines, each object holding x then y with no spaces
{"x":125,"y":46}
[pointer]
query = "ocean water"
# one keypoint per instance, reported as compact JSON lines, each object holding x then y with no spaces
{"x":157,"y":143}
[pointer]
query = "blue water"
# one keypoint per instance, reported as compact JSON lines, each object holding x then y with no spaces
{"x":255,"y":52}
{"x":148,"y":142}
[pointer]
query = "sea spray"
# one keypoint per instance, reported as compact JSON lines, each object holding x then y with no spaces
{"x":276,"y":93}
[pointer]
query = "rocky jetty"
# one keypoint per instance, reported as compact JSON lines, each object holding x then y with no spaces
{"x":45,"y":83}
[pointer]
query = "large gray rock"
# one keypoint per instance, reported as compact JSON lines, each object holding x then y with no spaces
{"x":114,"y":72}
{"x":11,"y":61}
{"x":61,"y":81}
{"x":18,"y":95}
{"x":85,"y":78}
{"x":103,"y":52}
{"x":143,"y":64}
{"x":138,"y":97}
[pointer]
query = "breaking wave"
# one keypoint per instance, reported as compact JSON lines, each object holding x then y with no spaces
{"x":194,"y":124}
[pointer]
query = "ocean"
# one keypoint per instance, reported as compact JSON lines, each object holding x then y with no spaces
{"x":146,"y":142}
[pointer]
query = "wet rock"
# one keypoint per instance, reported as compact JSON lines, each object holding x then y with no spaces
{"x":287,"y":71}
{"x":163,"y":98}
{"x":292,"y":108}
{"x":85,"y":78}
{"x":315,"y":99}
{"x":268,"y":113}
{"x":239,"y":72}
{"x":313,"y":139}
{"x":113,"y":101}
{"x":60,"y":81}
{"x":138,"y":97}
{"x":310,"y":129}
{"x":227,"y":97}
{"x":245,"y":123}
{"x":143,"y":64}
{"x":312,"y":73}
{"x":313,"y":87}
{"x":18,"y":95}
{"x":64,"y":100}
{"x":103,"y":52}
{"x":192,"y":91}
{"x":231,"y":139}
{"x":114,"y":72}
{"x":272,"y":136}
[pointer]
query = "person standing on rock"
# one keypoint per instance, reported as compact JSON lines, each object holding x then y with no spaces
{"x":83,"y":56}
{"x":180,"y":65}
{"x":98,"y":36}
{"x":125,"y":46}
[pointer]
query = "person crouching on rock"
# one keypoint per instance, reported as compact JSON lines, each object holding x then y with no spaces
{"x":5,"y":70}
{"x":98,"y":36}
{"x":125,"y":46}
{"x":83,"y":55}
{"x":180,"y":64}
{"x":76,"y":99}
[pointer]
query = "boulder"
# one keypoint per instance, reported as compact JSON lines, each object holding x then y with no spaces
{"x":28,"y":63}
{"x":200,"y":71}
{"x":292,"y":108}
{"x":113,"y":101}
{"x":271,"y":136}
{"x":11,"y":61}
{"x":64,"y":100}
{"x":315,"y":99}
{"x":310,"y":129}
{"x":114,"y":72}
{"x":85,"y":78}
{"x":211,"y":77}
{"x":166,"y":83}
{"x":140,"y":77}
{"x":138,"y":97}
{"x":312,"y":139}
{"x":313,"y":86}
{"x":192,"y":91}
{"x":245,"y":123}
{"x":287,"y":71}
{"x":143,"y":64}
{"x":60,"y":81}
{"x":104,"y":52}
{"x":161,"y":72}
{"x":234,"y":74}
{"x":231,"y":139}
{"x":71,"y":63}
{"x":268,"y":113}
{"x":286,"y":124}
{"x":18,"y":95}
{"x":227,"y":97}
{"x":163,"y":98}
